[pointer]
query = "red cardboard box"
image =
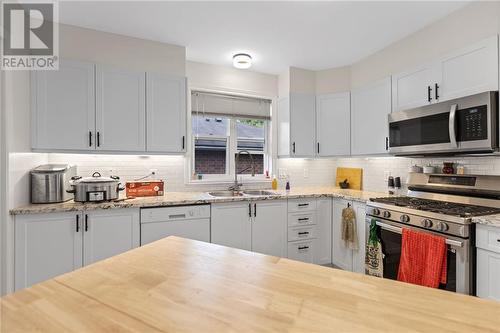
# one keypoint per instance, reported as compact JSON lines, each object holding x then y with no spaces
{"x":150,"y":188}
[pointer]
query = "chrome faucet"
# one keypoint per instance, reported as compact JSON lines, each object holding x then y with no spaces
{"x":236,"y":186}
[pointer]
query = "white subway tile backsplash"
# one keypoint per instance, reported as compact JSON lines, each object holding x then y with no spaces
{"x":319,"y":172}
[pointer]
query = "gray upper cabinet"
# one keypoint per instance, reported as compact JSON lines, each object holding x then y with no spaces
{"x":302,"y":124}
{"x":370,"y":106}
{"x":333,"y":122}
{"x":88,"y":107}
{"x":166,"y":113}
{"x":63,"y":107}
{"x":468,"y":71}
{"x":283,"y":120}
{"x":120,"y":109}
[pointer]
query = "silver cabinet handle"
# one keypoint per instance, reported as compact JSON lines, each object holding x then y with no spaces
{"x":452,"y":126}
{"x":398,"y":230}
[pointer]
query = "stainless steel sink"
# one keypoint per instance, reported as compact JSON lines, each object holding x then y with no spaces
{"x":258,"y":192}
{"x":225,"y":194}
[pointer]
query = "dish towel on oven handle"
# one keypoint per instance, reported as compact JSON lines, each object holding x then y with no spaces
{"x":349,"y":233}
{"x":374,"y":263}
{"x":423,"y":258}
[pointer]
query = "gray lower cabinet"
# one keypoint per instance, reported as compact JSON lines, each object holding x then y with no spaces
{"x":258,"y":226}
{"x":47,"y":245}
{"x":488,"y":261}
{"x":342,"y":256}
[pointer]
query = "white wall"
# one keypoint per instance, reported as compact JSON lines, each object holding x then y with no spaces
{"x":228,"y":79}
{"x":122,"y":51}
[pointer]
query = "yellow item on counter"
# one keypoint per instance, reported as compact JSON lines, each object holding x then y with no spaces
{"x":274,"y":183}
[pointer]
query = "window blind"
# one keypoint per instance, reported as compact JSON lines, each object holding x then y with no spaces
{"x":229,"y":105}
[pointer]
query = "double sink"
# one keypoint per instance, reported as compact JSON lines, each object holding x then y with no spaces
{"x":231,"y":194}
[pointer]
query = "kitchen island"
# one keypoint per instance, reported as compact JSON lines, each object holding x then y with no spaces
{"x":180,"y":285}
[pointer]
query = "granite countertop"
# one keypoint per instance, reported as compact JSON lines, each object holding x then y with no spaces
{"x":492,"y":220}
{"x":190,"y":198}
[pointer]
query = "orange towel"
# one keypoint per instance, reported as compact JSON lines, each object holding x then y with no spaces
{"x":423,"y":259}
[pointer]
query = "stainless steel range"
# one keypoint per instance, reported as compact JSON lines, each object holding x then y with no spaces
{"x":442,"y":205}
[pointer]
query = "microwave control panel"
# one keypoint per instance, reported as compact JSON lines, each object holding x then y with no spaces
{"x":473,"y":123}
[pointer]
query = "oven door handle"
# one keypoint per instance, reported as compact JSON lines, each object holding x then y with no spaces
{"x":452,"y":127}
{"x":398,"y":230}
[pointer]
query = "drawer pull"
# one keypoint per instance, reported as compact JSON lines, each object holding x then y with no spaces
{"x":303,"y":219}
{"x":303,"y":205}
{"x":303,"y":247}
{"x":303,"y":233}
{"x":177,"y":216}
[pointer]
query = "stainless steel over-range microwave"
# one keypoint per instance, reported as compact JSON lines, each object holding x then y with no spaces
{"x":463,"y":125}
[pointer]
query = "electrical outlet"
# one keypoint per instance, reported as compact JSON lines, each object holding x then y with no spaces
{"x":306,"y":173}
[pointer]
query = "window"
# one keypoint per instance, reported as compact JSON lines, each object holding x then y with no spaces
{"x":227,"y":143}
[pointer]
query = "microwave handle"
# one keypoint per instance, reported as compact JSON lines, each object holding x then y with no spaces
{"x":452,"y":128}
{"x":398,"y":230}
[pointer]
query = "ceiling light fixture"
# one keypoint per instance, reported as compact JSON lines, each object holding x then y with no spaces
{"x":242,"y":61}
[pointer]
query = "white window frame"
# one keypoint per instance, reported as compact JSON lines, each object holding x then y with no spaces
{"x":230,"y":155}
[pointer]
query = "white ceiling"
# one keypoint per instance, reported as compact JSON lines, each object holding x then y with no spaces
{"x":311,"y":35}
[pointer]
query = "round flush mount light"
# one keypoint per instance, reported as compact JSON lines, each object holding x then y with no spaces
{"x":242,"y":61}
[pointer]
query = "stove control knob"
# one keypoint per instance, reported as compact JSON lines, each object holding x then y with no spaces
{"x":404,"y":218}
{"x":376,"y":211}
{"x":427,"y":223}
{"x":387,"y":214}
{"x":441,"y":226}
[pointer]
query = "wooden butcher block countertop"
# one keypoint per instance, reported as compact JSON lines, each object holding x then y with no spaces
{"x":179,"y":285}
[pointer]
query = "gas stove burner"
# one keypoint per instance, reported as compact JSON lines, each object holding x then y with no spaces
{"x":436,"y":206}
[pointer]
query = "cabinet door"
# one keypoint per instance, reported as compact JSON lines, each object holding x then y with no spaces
{"x":109,"y":232}
{"x":269,"y":228}
{"x":333,"y":123}
{"x":370,"y":107}
{"x":46,"y":245}
{"x":323,"y":248}
{"x":414,"y":88}
{"x":341,"y":255}
{"x":63,"y":107}
{"x":121,"y":109}
{"x":488,"y":274}
{"x":302,"y":124}
{"x":283,"y":115}
{"x":166,"y":113}
{"x":470,"y":71}
{"x":231,"y":225}
{"x":358,"y":256}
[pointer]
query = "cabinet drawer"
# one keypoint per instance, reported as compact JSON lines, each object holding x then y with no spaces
{"x":300,"y":219}
{"x":488,"y":238}
{"x":300,"y":205}
{"x":301,"y":251}
{"x":301,"y":233}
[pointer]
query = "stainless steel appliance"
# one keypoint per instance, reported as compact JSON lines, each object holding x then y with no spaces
{"x":463,"y":125}
{"x":49,"y":183}
{"x":95,"y":188}
{"x":442,"y":205}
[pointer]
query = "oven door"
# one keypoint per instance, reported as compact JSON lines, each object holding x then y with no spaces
{"x":460,"y":269}
{"x":462,"y":125}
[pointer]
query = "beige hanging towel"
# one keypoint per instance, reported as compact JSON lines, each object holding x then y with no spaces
{"x":349,"y":233}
